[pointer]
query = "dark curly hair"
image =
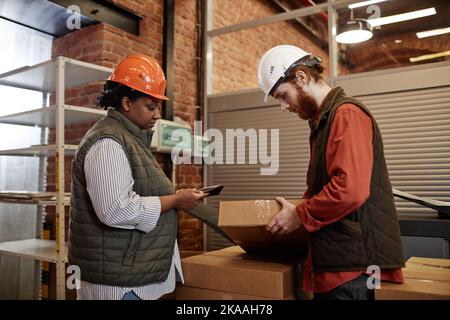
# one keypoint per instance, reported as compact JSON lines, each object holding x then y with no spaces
{"x":112,"y":95}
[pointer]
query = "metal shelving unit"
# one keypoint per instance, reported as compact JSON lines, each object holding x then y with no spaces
{"x":46,"y":117}
{"x":39,"y":198}
{"x":38,"y":151}
{"x":48,"y":76}
{"x":39,"y":249}
{"x":55,"y":76}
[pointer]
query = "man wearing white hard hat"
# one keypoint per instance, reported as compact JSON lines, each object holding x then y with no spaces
{"x":349,"y":208}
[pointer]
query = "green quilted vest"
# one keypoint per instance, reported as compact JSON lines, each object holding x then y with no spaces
{"x":112,"y":256}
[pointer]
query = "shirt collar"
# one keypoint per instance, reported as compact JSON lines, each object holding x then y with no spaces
{"x":142,"y":134}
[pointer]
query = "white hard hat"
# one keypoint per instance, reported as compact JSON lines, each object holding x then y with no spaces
{"x":274,"y":64}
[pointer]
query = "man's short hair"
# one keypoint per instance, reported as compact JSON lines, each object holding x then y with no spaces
{"x":315,"y":72}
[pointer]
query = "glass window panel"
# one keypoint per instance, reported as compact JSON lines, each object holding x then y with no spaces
{"x":236,"y":55}
{"x":397,"y":44}
{"x":229,"y":12}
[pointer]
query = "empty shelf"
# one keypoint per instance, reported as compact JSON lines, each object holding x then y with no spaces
{"x":42,"y":76}
{"x":45,"y":117}
{"x":38,"y":151}
{"x":38,"y":249}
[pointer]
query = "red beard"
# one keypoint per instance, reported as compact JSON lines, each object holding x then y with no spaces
{"x":306,"y":106}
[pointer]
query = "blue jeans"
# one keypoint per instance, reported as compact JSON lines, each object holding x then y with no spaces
{"x":130,"y":295}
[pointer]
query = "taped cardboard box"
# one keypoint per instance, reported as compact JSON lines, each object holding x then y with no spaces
{"x":425,"y":279}
{"x":414,"y":289}
{"x":427,"y":269}
{"x":191,"y":293}
{"x":245,"y":222}
{"x":187,"y":253}
{"x":231,"y":270}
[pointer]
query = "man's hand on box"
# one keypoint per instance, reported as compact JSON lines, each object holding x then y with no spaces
{"x":286,"y":220}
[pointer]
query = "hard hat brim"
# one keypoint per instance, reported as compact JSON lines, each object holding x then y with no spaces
{"x":160,"y":97}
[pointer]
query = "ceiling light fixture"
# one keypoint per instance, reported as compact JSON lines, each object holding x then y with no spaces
{"x":431,"y":33}
{"x":402,"y":17}
{"x":354,"y":31}
{"x":364,"y":3}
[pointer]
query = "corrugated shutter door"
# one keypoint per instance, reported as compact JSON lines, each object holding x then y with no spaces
{"x":416,"y":131}
{"x":245,"y":181}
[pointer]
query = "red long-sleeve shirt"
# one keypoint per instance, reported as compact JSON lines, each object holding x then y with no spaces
{"x":349,"y":158}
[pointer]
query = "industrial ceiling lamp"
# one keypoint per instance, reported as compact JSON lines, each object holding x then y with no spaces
{"x":354,"y":31}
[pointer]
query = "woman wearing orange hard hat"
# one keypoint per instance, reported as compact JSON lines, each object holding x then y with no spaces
{"x":123,"y":215}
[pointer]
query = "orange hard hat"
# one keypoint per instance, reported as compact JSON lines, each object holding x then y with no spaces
{"x":141,"y":73}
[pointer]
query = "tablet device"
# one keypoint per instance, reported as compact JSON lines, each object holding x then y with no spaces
{"x":212,"y":190}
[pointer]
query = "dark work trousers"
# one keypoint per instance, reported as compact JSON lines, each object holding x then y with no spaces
{"x":353,"y":290}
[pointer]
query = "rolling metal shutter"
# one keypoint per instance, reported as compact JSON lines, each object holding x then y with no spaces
{"x":416,"y":132}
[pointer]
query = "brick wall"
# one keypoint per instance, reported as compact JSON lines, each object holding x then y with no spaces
{"x":185,"y":101}
{"x":236,"y":55}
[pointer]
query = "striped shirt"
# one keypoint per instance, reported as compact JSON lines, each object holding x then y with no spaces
{"x":118,"y":206}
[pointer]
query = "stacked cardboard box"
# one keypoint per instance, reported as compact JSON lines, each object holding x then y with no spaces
{"x":231,"y":274}
{"x":425,"y":279}
{"x":269,"y":268}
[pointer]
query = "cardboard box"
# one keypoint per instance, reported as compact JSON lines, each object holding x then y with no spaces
{"x":185,"y":253}
{"x":231,"y":270}
{"x":245,"y":222}
{"x":414,"y":289}
{"x":427,"y":269}
{"x":191,"y":293}
{"x":425,"y":279}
